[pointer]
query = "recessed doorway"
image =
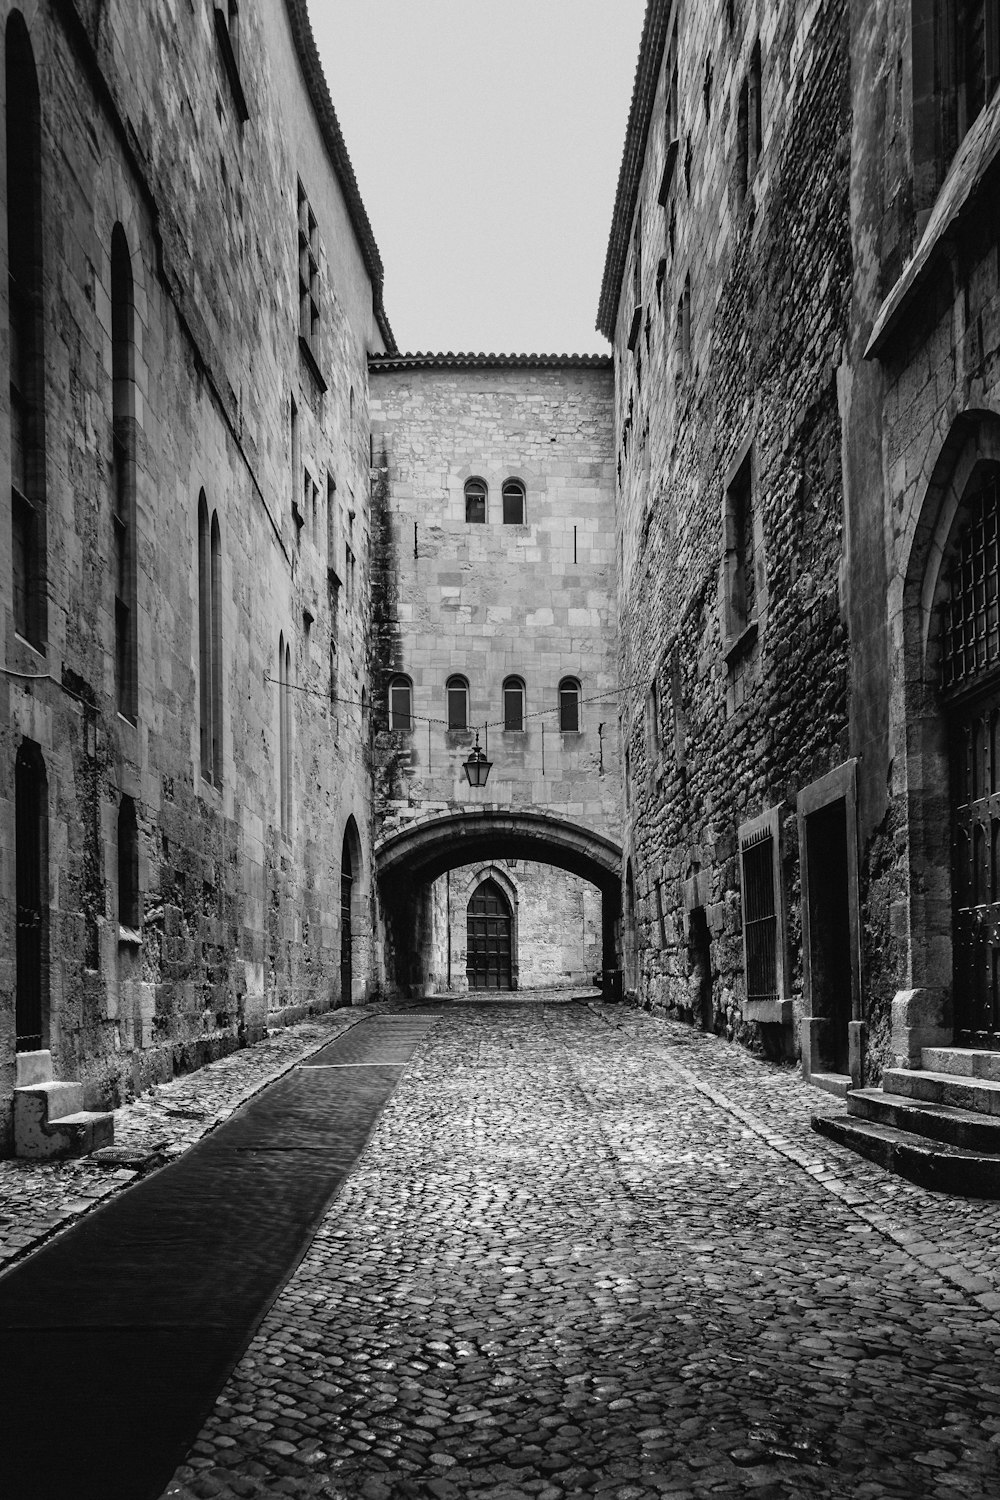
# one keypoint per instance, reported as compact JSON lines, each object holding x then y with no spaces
{"x":488,"y":953}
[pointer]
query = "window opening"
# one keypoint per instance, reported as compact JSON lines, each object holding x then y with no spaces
{"x":513,"y":503}
{"x":569,"y":706}
{"x":458,"y":703}
{"x":284,"y":736}
{"x":475,"y":501}
{"x":123,"y":470}
{"x":25,"y":292}
{"x":760,"y":922}
{"x":308,"y":273}
{"x":31,"y":895}
{"x":513,"y":705}
{"x":741,"y":551}
{"x":400,"y":703}
{"x":128,"y":865}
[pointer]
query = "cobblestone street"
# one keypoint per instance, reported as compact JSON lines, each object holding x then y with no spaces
{"x":589,"y":1251}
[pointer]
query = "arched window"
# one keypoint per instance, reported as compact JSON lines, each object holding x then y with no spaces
{"x":513,"y":704}
{"x":475,"y":501}
{"x":569,"y":705}
{"x":458,"y":703}
{"x":513,"y":502}
{"x":128,"y":865}
{"x":123,"y":470}
{"x":27,"y":364}
{"x":210,"y":642}
{"x":400,"y":703}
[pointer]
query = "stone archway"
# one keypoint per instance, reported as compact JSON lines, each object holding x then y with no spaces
{"x":354,"y":923}
{"x":409,"y":861}
{"x":922,"y":1013}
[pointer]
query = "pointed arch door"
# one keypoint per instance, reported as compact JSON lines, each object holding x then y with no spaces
{"x":488,"y":954}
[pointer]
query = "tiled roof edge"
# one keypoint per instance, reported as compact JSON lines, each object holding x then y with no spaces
{"x":647,"y":72}
{"x":326,"y":115}
{"x":463,"y":361}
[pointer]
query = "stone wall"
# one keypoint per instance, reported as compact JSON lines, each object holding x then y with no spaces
{"x":729,"y":345}
{"x":491,"y":601}
{"x":239,"y":917}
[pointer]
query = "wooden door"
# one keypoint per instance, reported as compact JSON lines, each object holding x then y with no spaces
{"x":488,"y":961}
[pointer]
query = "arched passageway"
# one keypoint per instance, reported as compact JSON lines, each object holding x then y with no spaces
{"x":409,"y":862}
{"x":352,"y":915}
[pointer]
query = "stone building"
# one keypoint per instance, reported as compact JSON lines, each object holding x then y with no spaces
{"x":191,"y":298}
{"x":801,"y":289}
{"x":497,"y":619}
{"x":727,"y":294}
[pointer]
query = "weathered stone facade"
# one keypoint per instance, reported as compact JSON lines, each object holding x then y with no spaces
{"x":203,"y":149}
{"x":727,"y":295}
{"x":495,"y":602}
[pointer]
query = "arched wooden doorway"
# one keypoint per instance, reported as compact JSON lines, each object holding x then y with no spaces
{"x":350,"y":916}
{"x":488,"y":961}
{"x":970,"y":682}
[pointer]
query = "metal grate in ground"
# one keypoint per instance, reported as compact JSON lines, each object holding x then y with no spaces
{"x":118,"y":1335}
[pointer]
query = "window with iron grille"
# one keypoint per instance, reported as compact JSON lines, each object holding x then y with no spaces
{"x":971,"y":624}
{"x":763,"y":909}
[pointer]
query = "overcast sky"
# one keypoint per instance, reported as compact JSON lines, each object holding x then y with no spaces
{"x":486,"y":136}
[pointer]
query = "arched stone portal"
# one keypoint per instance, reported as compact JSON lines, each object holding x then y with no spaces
{"x":354,"y":919}
{"x":408,"y":862}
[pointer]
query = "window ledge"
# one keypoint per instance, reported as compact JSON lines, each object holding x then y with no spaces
{"x":306,"y":350}
{"x":129,"y":937}
{"x":741,"y":645}
{"x":231,"y":65}
{"x":768,"y":1012}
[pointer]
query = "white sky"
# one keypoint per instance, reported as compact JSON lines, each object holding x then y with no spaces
{"x":486,"y":136}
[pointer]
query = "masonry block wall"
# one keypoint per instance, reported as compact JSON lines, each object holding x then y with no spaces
{"x":145,"y":123}
{"x":486,"y":601}
{"x":921,"y":419}
{"x":727,"y":296}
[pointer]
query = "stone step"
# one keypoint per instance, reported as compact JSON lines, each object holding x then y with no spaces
{"x":49,"y":1123}
{"x":937,"y":1122}
{"x":966,"y":1061}
{"x":31,"y":1068}
{"x":946,"y":1169}
{"x":978,"y":1094}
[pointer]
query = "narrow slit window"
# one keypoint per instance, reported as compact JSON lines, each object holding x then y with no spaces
{"x":123,"y":459}
{"x":128,"y":865}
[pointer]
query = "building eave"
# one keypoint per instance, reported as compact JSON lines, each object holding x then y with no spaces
{"x":655,"y":29}
{"x":380,"y":363}
{"x":333,"y":139}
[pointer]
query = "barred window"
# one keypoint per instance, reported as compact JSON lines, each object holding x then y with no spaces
{"x":971,"y":622}
{"x":763,"y":909}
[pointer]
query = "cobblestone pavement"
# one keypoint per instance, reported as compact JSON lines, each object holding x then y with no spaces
{"x":592,"y":1252}
{"x":37,"y":1199}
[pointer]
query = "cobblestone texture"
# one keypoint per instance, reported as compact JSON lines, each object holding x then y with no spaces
{"x":589,"y":1251}
{"x":39,"y":1198}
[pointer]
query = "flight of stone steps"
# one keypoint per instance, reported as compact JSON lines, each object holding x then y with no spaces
{"x":49,"y":1122}
{"x":937,"y":1125}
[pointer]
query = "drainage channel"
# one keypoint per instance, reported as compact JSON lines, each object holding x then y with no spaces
{"x":117,"y":1337}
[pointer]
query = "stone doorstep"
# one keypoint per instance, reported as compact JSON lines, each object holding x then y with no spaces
{"x":50,"y":1125}
{"x":980,"y":1095}
{"x":945,"y":1123}
{"x":967,"y":1062}
{"x":832,"y":1083}
{"x":943,"y":1168}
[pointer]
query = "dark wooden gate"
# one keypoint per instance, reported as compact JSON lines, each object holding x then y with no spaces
{"x":488,"y":961}
{"x":30,"y":812}
{"x":971,"y":682}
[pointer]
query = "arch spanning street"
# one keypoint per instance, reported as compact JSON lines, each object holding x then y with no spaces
{"x":409,"y":861}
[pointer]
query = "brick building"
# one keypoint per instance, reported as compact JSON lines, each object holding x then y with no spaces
{"x":498,"y":617}
{"x":191,"y":297}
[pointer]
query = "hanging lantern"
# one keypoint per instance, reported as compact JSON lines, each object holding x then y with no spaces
{"x":477,"y":767}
